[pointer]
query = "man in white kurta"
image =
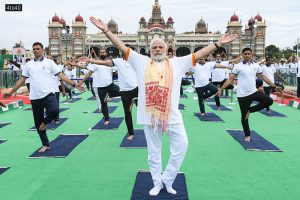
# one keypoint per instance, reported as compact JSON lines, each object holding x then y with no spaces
{"x":151,"y":72}
{"x":175,"y":130}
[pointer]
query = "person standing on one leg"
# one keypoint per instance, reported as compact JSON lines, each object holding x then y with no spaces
{"x":246,"y":73}
{"x":40,"y":70}
{"x":159,"y":80}
{"x":91,"y":78}
{"x":128,"y":88}
{"x":269,"y":71}
{"x":104,"y":83}
{"x":203,"y":87}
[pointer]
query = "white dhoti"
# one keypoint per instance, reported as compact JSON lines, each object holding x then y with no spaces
{"x":178,"y":148}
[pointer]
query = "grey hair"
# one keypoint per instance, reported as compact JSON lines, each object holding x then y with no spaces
{"x":160,"y":40}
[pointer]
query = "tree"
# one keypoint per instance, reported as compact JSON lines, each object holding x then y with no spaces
{"x":287,"y":52}
{"x":3,"y":51}
{"x":273,"y":51}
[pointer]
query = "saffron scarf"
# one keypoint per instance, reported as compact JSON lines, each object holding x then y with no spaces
{"x":158,"y":87}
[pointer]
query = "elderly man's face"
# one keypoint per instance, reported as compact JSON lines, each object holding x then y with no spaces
{"x":158,"y":51}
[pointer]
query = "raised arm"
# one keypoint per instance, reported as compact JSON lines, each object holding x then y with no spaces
{"x":114,"y":39}
{"x":67,"y":80}
{"x":77,"y":65}
{"x":212,"y":47}
{"x":107,"y":63}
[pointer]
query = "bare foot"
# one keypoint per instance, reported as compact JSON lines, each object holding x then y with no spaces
{"x":130,"y":137}
{"x":43,"y":149}
{"x":99,"y":110}
{"x":247,"y":139}
{"x":42,"y":127}
{"x":219,"y":108}
{"x":106,"y":122}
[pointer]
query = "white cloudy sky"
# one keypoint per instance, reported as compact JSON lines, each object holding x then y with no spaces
{"x":30,"y":25}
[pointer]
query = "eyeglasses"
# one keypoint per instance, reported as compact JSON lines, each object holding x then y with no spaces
{"x":36,"y":49}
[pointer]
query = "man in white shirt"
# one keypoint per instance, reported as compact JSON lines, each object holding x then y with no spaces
{"x":203,"y":87}
{"x":270,"y":71}
{"x":246,"y":73}
{"x":91,"y":80}
{"x":40,"y":70}
{"x":159,"y":80}
{"x":128,"y":88}
{"x":102,"y":79}
{"x":60,"y":88}
{"x":218,"y":77}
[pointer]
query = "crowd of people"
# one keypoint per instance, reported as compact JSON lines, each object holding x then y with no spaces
{"x":153,"y":83}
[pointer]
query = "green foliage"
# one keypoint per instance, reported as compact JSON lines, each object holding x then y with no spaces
{"x":274,"y":51}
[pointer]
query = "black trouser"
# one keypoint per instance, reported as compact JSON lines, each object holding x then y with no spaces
{"x":49,"y":103}
{"x":229,"y":87}
{"x":298,"y":87}
{"x":87,"y":83}
{"x":204,"y":93}
{"x":28,"y":86}
{"x":68,"y":90}
{"x":112,"y":90}
{"x":267,"y":91}
{"x":245,"y":106}
{"x":127,"y":97}
{"x":57,"y":98}
{"x":183,"y":83}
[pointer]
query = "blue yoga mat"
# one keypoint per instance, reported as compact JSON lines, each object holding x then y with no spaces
{"x":114,"y":123}
{"x":184,"y":96}
{"x":61,"y":146}
{"x":257,"y":143}
{"x":71,"y":100}
{"x":115,"y":99}
{"x":143,"y":184}
{"x":111,"y":109}
{"x":91,"y":99}
{"x":210,"y":100}
{"x":181,"y":107}
{"x":2,"y":140}
{"x":3,"y":169}
{"x":139,"y":140}
{"x":60,"y":109}
{"x":4,"y":124}
{"x":209,"y":117}
{"x":272,"y":114}
{"x":51,"y":125}
{"x":223,"y":108}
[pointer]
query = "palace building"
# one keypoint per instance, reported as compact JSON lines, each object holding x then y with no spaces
{"x":65,"y":41}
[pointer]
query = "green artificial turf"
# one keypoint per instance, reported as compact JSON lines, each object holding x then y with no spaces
{"x":216,"y":166}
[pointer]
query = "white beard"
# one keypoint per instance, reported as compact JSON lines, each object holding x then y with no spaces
{"x":159,"y":58}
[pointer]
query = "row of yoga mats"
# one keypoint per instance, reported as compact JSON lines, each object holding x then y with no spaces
{"x":64,"y":144}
